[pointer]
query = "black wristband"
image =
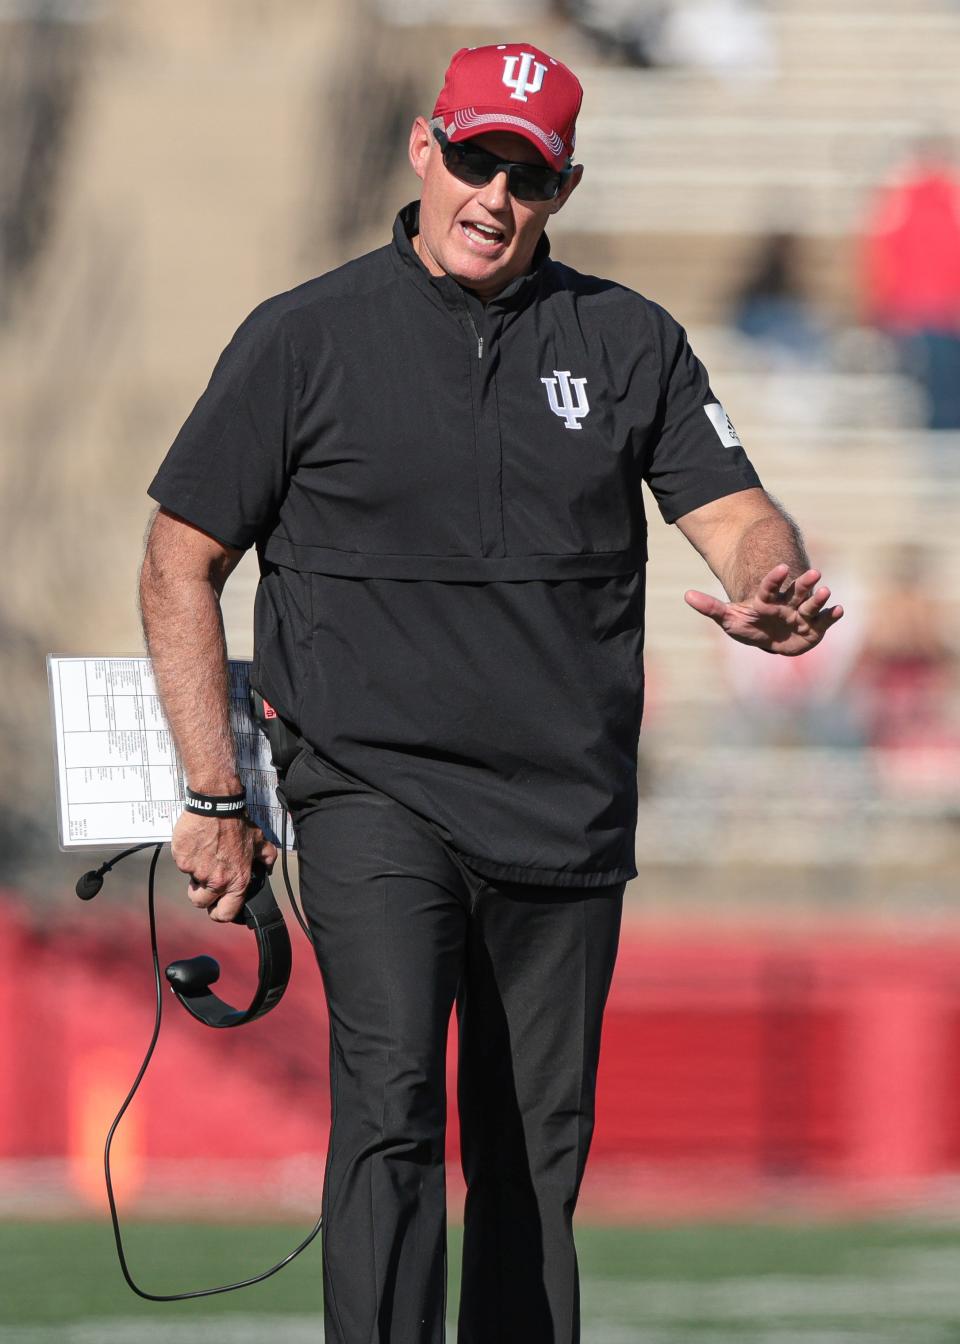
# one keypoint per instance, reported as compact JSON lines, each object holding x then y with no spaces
{"x":215,"y":805}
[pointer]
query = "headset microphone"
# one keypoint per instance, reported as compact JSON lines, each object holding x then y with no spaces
{"x":89,"y":885}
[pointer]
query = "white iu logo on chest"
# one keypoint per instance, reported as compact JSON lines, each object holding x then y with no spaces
{"x":521,"y":83}
{"x":572,"y":401}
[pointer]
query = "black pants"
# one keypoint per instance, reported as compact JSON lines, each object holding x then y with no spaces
{"x":402,"y":930}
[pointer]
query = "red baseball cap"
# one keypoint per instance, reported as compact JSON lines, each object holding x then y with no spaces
{"x":513,"y":86}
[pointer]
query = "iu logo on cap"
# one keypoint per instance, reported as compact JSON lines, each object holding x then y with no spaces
{"x":572,"y":402}
{"x":521,"y":83}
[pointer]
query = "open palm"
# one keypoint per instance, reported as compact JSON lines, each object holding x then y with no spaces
{"x":787,"y":620}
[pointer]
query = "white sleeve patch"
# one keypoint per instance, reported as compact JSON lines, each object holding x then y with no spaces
{"x":722,"y":423}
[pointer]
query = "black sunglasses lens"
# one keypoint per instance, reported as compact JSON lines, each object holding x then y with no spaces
{"x":526,"y":181}
{"x":533,"y":183}
{"x":470,"y":165}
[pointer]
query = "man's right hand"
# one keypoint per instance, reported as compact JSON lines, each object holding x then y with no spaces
{"x":218,"y":854}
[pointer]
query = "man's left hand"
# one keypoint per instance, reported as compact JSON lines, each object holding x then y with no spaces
{"x":789,"y":620}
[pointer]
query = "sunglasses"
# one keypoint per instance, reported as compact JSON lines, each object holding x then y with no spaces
{"x":475,"y":166}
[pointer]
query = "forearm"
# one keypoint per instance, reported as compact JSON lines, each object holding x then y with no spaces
{"x":183,"y":628}
{"x":772,"y":540}
{"x":756,"y":551}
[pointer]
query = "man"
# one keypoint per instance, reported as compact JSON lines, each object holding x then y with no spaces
{"x":438,"y":451}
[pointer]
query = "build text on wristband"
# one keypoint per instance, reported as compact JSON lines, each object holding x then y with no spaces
{"x":214,"y":805}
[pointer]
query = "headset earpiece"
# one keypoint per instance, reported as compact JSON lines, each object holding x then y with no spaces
{"x":193,"y":975}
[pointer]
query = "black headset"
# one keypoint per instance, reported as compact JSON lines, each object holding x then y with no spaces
{"x":190,"y":980}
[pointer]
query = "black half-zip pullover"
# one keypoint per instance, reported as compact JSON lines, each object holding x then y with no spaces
{"x":445,"y":498}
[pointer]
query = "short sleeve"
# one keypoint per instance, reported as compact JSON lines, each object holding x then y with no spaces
{"x":228,"y":468}
{"x":694,"y":454}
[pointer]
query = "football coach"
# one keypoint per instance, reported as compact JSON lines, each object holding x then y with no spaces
{"x":437,"y":451}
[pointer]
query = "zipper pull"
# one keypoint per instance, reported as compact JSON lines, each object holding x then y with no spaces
{"x":479,"y":347}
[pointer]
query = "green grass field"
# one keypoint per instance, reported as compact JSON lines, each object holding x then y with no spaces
{"x":831,"y":1283}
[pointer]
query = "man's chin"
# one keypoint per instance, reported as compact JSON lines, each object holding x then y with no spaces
{"x":484,"y":277}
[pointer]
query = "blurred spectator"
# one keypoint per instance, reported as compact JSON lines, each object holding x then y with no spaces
{"x":911,"y":269}
{"x":728,"y":38}
{"x":905,"y":673}
{"x":627,"y":28}
{"x":769,"y":306}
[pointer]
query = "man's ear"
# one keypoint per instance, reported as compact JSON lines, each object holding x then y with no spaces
{"x":571,"y":184}
{"x":421,"y":139}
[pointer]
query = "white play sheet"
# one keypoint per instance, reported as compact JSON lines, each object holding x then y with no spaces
{"x":119,"y":779}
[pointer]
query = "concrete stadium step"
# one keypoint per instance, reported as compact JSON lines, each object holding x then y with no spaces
{"x":663,"y":93}
{"x":876,"y":39}
{"x":695,"y":276}
{"x":853,"y":7}
{"x":827,"y":806}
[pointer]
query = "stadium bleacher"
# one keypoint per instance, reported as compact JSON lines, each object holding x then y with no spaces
{"x":195,"y":136}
